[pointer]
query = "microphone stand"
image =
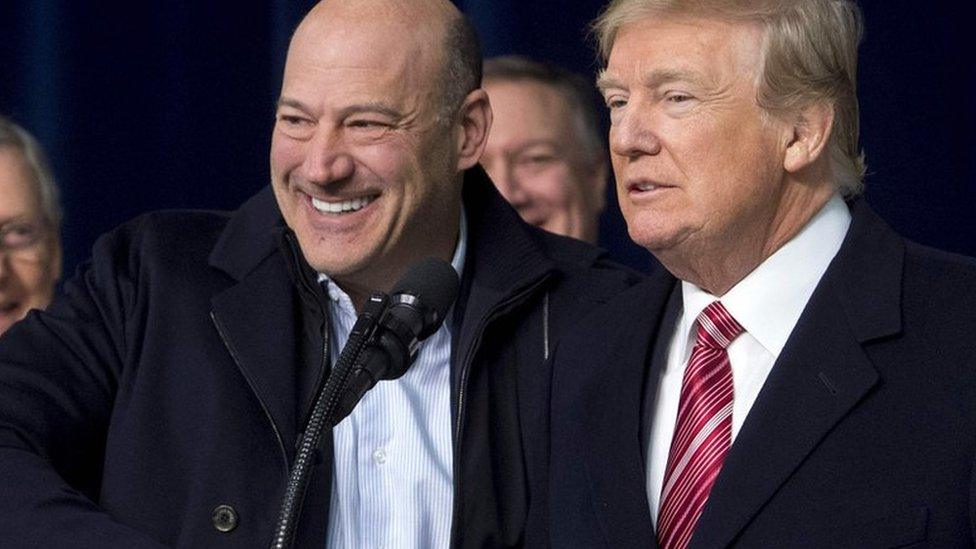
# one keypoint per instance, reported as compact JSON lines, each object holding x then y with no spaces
{"x":323,"y":415}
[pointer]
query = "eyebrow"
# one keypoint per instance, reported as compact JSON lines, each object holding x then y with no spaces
{"x":373,"y":107}
{"x":293,"y":103}
{"x":370,"y":107}
{"x":537,"y":143}
{"x":605,"y":81}
{"x":652,"y":79}
{"x":22,"y":219}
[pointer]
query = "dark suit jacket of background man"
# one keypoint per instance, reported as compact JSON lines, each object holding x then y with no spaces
{"x":143,"y":403}
{"x":862,"y":436}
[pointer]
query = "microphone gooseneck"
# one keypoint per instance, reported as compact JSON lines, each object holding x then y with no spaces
{"x":382,"y":344}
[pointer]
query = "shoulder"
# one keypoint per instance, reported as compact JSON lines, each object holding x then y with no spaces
{"x":939,"y":290}
{"x":948,"y":267}
{"x":585,"y":270}
{"x":162,"y":237}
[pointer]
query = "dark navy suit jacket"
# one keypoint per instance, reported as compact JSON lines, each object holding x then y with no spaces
{"x":862,"y":436}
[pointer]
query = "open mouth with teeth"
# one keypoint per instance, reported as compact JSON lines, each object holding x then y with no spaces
{"x":342,"y":206}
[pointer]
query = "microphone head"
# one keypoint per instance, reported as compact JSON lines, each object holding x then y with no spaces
{"x":433,"y":285}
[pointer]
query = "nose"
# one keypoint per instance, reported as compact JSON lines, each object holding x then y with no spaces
{"x":327,"y":158}
{"x":633,"y":133}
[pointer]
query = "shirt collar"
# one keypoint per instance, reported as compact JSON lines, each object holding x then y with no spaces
{"x":768,"y":302}
{"x":339,"y":296}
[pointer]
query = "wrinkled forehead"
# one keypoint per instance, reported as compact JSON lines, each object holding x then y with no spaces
{"x":529,"y":107}
{"x":679,"y":46}
{"x":361,"y":66}
{"x":373,"y":53}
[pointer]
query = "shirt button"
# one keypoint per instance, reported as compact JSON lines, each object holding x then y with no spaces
{"x":379,"y":456}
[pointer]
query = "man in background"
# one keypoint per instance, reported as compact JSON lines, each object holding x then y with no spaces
{"x":159,"y":401}
{"x":546,"y":152}
{"x":801,"y":376}
{"x":30,"y":221}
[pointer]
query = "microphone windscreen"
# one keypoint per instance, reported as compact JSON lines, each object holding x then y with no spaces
{"x":433,"y":282}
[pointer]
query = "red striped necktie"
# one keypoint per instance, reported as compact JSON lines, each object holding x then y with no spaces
{"x":703,"y":432}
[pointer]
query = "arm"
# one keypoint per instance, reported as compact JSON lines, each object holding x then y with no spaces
{"x":59,"y":373}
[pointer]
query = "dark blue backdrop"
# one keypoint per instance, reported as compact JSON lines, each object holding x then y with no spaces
{"x":147,"y":105}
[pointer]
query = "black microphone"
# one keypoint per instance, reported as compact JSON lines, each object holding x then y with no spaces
{"x":382,"y":345}
{"x":416,"y":310}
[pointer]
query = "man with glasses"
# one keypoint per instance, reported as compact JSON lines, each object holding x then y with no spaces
{"x":30,"y":247}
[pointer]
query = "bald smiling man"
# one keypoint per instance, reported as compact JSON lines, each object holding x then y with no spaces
{"x":159,"y":399}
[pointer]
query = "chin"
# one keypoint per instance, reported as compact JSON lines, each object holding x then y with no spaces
{"x":656,"y":239}
{"x":335,"y":266}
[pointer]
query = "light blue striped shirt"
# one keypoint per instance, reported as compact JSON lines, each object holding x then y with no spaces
{"x":393,"y":474}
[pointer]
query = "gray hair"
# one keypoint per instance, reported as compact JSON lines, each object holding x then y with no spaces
{"x":463,"y":65}
{"x":580,"y":95}
{"x":14,"y":136}
{"x":809,"y":56}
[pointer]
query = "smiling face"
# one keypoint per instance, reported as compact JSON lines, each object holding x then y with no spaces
{"x":364,"y":168}
{"x":536,"y":159}
{"x":699,"y":166}
{"x":30,"y":258}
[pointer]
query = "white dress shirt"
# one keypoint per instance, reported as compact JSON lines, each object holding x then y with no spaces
{"x":767,"y":303}
{"x":393,"y":473}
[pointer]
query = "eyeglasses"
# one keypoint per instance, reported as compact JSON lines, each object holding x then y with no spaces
{"x":21,"y":237}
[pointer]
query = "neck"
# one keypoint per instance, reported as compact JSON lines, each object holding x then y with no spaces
{"x":381,"y":276}
{"x":716,"y":267}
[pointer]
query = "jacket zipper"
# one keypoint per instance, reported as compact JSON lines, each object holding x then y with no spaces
{"x":498,"y":311}
{"x":267,"y":414}
{"x":324,"y":328}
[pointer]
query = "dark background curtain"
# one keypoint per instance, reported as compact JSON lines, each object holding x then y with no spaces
{"x":148,"y":104}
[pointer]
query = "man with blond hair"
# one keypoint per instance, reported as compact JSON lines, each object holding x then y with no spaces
{"x":160,"y":399}
{"x":801,"y":376}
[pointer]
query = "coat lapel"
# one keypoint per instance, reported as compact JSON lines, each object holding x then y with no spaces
{"x":821,"y":375}
{"x":612,"y":415}
{"x":256,"y":321}
{"x":256,"y":315}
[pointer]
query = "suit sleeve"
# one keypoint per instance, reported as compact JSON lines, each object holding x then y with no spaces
{"x":59,"y":373}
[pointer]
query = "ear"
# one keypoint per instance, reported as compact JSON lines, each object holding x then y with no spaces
{"x":475,"y":121}
{"x":812,"y":128}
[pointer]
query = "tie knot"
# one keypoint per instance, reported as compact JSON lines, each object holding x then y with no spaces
{"x":716,"y":327}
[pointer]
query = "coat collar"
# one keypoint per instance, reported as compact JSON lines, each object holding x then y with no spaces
{"x":504,"y":252}
{"x":251,"y":235}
